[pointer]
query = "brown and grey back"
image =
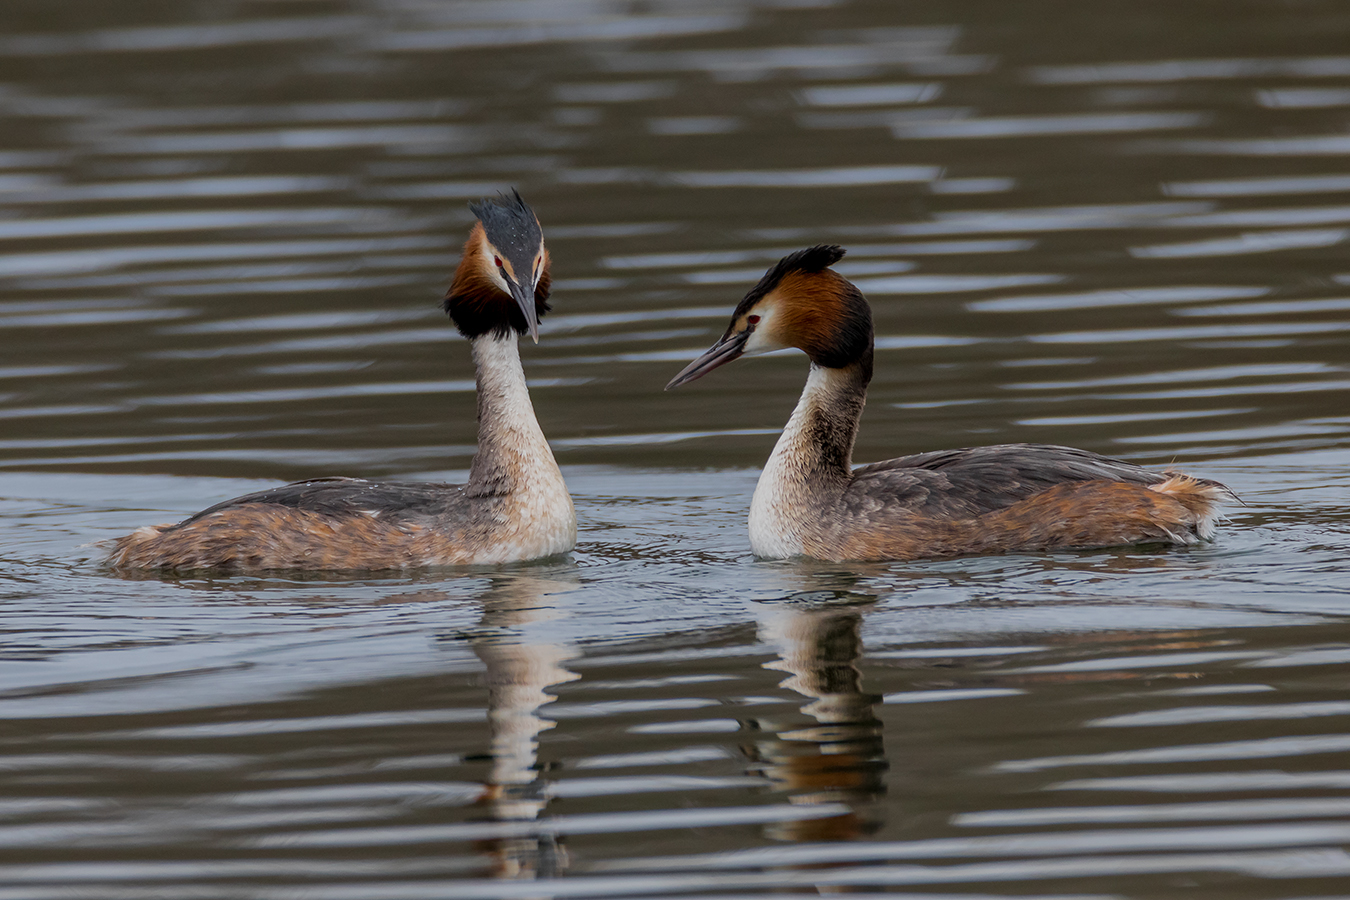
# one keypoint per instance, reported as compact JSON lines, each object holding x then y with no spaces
{"x":515,"y":505}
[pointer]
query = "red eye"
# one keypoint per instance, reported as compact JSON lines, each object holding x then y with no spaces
{"x":753,"y":320}
{"x":498,"y":261}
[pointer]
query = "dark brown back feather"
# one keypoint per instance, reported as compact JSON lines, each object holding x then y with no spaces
{"x":977,"y":480}
{"x":339,"y":498}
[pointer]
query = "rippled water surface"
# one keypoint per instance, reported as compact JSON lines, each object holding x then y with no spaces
{"x":224,"y":231}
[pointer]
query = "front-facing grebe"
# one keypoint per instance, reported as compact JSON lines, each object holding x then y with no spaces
{"x":810,"y":501}
{"x":515,"y":505}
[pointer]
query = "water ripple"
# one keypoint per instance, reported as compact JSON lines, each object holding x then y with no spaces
{"x":226,"y":236}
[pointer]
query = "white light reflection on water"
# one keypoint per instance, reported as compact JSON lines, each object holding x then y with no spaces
{"x":225,"y":241}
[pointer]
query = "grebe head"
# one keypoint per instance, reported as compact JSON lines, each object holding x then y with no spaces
{"x":502,"y":282}
{"x":801,"y":302}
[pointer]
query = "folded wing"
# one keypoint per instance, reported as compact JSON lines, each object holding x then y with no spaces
{"x":970,"y":482}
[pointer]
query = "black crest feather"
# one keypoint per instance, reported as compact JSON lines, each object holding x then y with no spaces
{"x":812,"y":259}
{"x":508,"y":220}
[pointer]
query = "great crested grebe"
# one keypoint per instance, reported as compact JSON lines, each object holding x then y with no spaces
{"x":515,"y":505}
{"x":810,"y":501}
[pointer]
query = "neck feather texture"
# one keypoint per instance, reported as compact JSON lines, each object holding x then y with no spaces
{"x":812,"y":463}
{"x":512,"y":452}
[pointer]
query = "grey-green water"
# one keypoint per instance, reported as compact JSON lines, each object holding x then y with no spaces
{"x":223,"y":234}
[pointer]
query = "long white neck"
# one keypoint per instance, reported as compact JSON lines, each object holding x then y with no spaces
{"x":513,"y":456}
{"x":811,"y":464}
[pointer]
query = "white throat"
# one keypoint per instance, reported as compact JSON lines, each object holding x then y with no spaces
{"x":782,"y":507}
{"x":501,"y":383}
{"x":512,"y":451}
{"x":514,"y":463}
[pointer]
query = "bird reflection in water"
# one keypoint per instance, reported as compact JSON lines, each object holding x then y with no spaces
{"x":521,"y":663}
{"x":839,"y":758}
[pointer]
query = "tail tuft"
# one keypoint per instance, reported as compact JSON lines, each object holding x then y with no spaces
{"x":1201,"y":497}
{"x":128,"y":549}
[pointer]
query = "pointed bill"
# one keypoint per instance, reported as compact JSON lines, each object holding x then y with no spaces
{"x":525,"y":299}
{"x":724,"y":351}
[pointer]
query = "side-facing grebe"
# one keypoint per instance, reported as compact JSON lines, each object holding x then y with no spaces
{"x":810,"y":501}
{"x":515,"y":505}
